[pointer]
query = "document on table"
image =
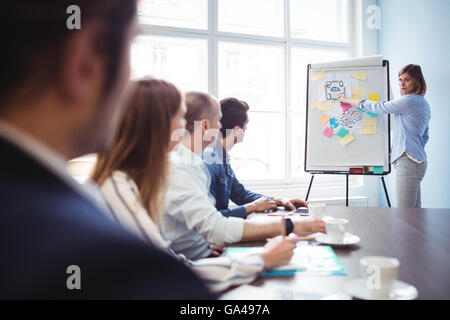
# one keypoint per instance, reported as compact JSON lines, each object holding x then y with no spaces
{"x":307,"y":260}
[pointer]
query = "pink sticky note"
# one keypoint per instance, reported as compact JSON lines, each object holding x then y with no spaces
{"x":345,"y":106}
{"x":328,"y":132}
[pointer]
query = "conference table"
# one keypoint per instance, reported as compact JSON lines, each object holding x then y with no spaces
{"x":418,"y":238}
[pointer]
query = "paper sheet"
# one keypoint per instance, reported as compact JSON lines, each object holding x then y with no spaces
{"x":359,"y":75}
{"x":378,"y":170}
{"x":318,"y":76}
{"x":358,"y":93}
{"x":324,"y":119}
{"x":315,"y":104}
{"x":369,"y":130}
{"x":369,"y":122}
{"x":374,"y":97}
{"x":345,"y":106}
{"x":325,"y":106}
{"x":346,"y":140}
{"x":328,"y":132}
{"x":342,"y":132}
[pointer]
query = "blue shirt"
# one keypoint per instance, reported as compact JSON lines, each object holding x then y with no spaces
{"x":411,"y":116}
{"x":224,"y":184}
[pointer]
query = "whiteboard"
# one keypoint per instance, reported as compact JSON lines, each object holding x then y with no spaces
{"x":325,"y":154}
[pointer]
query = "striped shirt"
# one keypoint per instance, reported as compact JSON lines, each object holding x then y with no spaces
{"x":122,"y":197}
{"x":190,"y":220}
{"x":411,"y":117}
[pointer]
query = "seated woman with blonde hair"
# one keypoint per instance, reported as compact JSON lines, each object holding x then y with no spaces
{"x":133,"y":171}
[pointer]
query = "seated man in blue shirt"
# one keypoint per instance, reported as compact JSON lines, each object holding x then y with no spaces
{"x":224,"y":184}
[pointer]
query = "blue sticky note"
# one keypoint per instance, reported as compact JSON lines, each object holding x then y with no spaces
{"x":373,"y":115}
{"x":343,"y":132}
{"x":378,"y":170}
{"x":333,"y":123}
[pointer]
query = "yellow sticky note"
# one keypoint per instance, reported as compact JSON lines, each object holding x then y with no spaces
{"x":346,"y":140}
{"x":369,"y":122}
{"x":374,"y":97}
{"x":369,"y":130}
{"x":359,"y":75}
{"x":324,"y":119}
{"x":358,"y":93}
{"x":315,"y":104}
{"x":317,"y":76}
{"x":325,"y":106}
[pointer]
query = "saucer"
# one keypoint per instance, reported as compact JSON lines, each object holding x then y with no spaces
{"x":400,"y":291}
{"x":349,"y":239}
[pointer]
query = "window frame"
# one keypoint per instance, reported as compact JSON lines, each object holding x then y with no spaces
{"x":214,"y":36}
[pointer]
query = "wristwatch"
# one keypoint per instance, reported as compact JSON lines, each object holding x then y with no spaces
{"x":289,"y":226}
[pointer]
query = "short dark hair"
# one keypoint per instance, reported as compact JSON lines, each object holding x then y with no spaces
{"x":234,"y":113}
{"x":35,"y":35}
{"x":415,"y":72}
{"x":198,"y":106}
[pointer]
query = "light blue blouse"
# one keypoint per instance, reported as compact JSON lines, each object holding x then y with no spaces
{"x":411,"y":116}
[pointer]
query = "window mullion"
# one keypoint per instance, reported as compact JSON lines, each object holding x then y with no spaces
{"x":213,"y":57}
{"x":287,"y":64}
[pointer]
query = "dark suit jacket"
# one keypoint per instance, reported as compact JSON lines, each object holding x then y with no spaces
{"x":45,"y":226}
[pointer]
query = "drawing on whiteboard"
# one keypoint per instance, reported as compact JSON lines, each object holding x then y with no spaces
{"x":351,"y":119}
{"x":333,"y":89}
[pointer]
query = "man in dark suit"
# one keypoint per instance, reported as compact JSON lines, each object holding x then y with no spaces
{"x":59,"y":94}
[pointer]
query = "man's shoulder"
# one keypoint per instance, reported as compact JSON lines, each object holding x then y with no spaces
{"x":48,"y":230}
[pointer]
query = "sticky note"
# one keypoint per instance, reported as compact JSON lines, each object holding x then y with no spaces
{"x":324,"y":119}
{"x":345,"y":106}
{"x":373,"y":115}
{"x":343,"y":132}
{"x":328,"y":132}
{"x":315,"y":104}
{"x":369,"y":130}
{"x":370,"y":122}
{"x":346,"y":140}
{"x":378,"y":170}
{"x":318,"y":76}
{"x":358,"y":93}
{"x":325,"y":106}
{"x":359,"y":75}
{"x":333,"y":123}
{"x":374,"y":97}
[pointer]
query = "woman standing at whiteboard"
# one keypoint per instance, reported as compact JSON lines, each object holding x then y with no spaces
{"x":411,"y":117}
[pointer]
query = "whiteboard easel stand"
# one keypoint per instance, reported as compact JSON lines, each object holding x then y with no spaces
{"x":346,"y":189}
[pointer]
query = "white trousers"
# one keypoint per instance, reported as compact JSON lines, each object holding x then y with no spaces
{"x":408,"y":176}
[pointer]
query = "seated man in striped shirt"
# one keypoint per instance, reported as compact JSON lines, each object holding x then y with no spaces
{"x":190,"y":220}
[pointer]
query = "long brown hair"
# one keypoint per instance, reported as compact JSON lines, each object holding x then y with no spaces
{"x":415,"y":72}
{"x":140,"y":145}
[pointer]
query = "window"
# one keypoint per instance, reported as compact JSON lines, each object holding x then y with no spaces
{"x":174,"y":13}
{"x":165,"y":58}
{"x":253,"y":50}
{"x":319,"y":19}
{"x":262,"y":18}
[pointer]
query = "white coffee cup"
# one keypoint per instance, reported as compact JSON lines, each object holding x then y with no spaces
{"x":317,"y":209}
{"x":380,"y":274}
{"x":336,"y":229}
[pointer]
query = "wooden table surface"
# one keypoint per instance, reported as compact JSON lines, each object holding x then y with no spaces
{"x":418,"y":238}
